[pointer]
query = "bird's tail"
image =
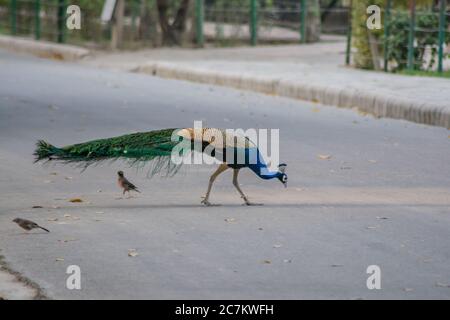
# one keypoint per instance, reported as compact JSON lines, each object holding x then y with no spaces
{"x":155,"y":146}
{"x":44,"y":229}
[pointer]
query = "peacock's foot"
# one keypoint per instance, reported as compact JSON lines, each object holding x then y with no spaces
{"x":253,"y":204}
{"x":208,"y":204}
{"x":249,"y":203}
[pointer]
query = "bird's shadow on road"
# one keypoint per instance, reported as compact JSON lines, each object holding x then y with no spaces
{"x":28,"y":234}
{"x":262,"y":206}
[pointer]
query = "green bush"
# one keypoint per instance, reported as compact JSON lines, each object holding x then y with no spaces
{"x":398,"y":41}
{"x":426,"y":35}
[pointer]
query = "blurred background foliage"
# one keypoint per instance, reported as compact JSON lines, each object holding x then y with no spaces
{"x":227,"y":22}
{"x":369,"y":43}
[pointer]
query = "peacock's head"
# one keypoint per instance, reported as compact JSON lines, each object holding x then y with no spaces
{"x":282,"y":176}
{"x":120,"y":173}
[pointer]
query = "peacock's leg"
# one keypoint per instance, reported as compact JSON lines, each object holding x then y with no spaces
{"x":213,"y":177}
{"x":243,"y":196}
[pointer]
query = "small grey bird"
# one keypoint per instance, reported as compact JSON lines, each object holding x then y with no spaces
{"x":126,"y":185}
{"x":28,"y":225}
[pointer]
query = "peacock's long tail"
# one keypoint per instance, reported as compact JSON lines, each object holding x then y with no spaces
{"x":154,"y":146}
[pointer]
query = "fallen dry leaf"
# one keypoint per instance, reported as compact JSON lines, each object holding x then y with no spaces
{"x":52,"y":219}
{"x":362,"y":113}
{"x":287,"y":260}
{"x":67,"y":240}
{"x":267,"y":262}
{"x":442,"y":285}
{"x":59,"y":259}
{"x":68,"y":178}
{"x":324,"y":156}
{"x":37,"y":207}
{"x":132,"y":253}
{"x":277,"y":246}
{"x":67,"y":216}
{"x":230,"y":219}
{"x":76,"y":200}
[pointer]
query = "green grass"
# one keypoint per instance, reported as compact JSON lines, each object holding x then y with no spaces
{"x":445,"y":74}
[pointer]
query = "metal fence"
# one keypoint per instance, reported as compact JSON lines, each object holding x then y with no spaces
{"x":410,"y":39}
{"x":251,"y":21}
{"x":262,"y":21}
{"x":222,"y":22}
{"x":46,"y":20}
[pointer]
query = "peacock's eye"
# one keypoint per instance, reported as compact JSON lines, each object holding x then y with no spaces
{"x":285,"y":178}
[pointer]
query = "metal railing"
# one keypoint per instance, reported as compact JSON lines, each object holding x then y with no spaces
{"x":217,"y":21}
{"x":411,"y":39}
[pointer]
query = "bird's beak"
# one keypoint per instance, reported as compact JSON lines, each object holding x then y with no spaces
{"x":285,"y":184}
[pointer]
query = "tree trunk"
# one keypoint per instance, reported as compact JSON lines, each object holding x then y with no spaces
{"x":313,"y":24}
{"x":172,"y":33}
{"x":117,"y":28}
{"x":148,"y":26}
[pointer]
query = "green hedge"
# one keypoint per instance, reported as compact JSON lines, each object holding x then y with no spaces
{"x":398,"y":40}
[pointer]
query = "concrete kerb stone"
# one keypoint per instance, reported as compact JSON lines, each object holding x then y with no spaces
{"x":377,"y":104}
{"x":43,"y":49}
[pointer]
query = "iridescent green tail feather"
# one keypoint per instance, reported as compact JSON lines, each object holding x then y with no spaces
{"x":154,"y":146}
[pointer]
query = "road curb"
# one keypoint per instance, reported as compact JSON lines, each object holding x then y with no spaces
{"x":43,"y":49}
{"x":14,"y":286}
{"x":379,"y":105}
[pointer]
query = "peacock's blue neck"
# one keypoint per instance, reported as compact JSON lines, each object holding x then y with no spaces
{"x":261,"y":169}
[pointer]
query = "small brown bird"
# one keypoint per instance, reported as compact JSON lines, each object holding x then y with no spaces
{"x":126,"y":185}
{"x":28,"y":225}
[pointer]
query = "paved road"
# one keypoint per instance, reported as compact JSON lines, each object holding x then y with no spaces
{"x":382,"y":199}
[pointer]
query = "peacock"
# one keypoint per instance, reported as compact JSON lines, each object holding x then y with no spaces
{"x":163,"y":149}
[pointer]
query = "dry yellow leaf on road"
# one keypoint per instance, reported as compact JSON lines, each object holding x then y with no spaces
{"x":324,"y":156}
{"x":132,"y":253}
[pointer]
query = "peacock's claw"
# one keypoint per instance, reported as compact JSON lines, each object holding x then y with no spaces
{"x":248,"y":203}
{"x":253,"y":204}
{"x":208,"y":204}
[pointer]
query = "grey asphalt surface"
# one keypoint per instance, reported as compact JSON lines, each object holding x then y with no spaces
{"x":381,"y":199}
